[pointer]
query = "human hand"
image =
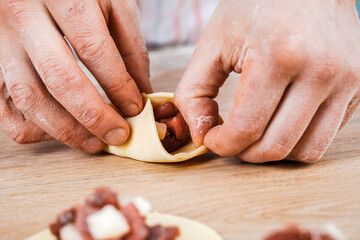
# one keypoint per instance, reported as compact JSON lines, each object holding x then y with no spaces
{"x":299,"y":83}
{"x":43,"y":92}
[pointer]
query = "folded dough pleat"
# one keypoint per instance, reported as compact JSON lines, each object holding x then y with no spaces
{"x":144,"y":143}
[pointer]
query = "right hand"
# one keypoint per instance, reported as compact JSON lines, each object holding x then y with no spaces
{"x":299,"y":83}
{"x":43,"y":92}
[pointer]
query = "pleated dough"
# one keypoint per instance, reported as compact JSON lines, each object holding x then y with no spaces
{"x":144,"y":143}
{"x":189,"y":229}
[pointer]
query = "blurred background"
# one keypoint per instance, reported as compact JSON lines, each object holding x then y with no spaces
{"x":167,"y":23}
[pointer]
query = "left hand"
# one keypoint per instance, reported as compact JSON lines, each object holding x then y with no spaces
{"x":43,"y":92}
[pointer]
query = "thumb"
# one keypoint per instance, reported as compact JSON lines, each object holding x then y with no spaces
{"x":195,"y":94}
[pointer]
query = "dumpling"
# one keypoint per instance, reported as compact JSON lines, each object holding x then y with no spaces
{"x":145,"y":142}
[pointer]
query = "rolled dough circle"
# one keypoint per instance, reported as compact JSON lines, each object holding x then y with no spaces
{"x":189,"y":229}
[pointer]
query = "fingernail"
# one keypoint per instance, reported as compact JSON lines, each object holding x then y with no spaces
{"x":116,"y":136}
{"x":129,"y":109}
{"x":93,"y":144}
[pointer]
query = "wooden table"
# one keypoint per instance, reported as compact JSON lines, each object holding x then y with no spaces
{"x":239,"y":200}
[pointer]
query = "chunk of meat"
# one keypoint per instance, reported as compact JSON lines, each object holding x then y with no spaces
{"x":158,"y":232}
{"x":139,"y":230}
{"x":66,"y":217}
{"x":78,"y":214}
{"x":177,"y":126}
{"x":178,"y":133}
{"x":294,"y":232}
{"x":166,"y":110}
{"x":82,"y":212}
{"x":101,"y":197}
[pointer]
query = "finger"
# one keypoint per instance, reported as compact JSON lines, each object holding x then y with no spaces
{"x":124,"y":25}
{"x":351,"y":82}
{"x":261,"y":87}
{"x":85,"y":27}
{"x":196,"y":91}
{"x":321,"y":131}
{"x":32,"y":99}
{"x":66,"y":82}
{"x":293,"y":115}
{"x":351,"y":109}
{"x":13,"y":123}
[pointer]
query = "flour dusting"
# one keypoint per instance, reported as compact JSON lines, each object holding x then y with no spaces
{"x":204,"y":119}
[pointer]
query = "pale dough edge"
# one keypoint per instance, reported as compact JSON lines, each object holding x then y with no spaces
{"x":189,"y":229}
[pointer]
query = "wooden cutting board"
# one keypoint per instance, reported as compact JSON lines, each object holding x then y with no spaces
{"x":239,"y":200}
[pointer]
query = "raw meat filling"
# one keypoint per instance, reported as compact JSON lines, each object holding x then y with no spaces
{"x":297,"y":233}
{"x":102,"y":198}
{"x":177,"y":134}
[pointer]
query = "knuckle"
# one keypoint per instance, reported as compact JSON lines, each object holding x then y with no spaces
{"x":139,"y":53}
{"x":276,"y":152}
{"x":224,"y":152}
{"x":309,"y":156}
{"x":326,"y":68}
{"x":91,"y":47}
{"x":117,"y":88}
{"x":238,"y":140}
{"x":244,"y":131}
{"x":92,"y":117}
{"x":286,"y":55}
{"x":21,"y":137}
{"x":329,"y":67}
{"x":72,"y":134}
{"x":352,"y":77}
{"x":286,"y":61}
{"x":251,"y":134}
{"x":65,"y":136}
{"x":55,"y":75}
{"x":144,"y":56}
{"x":15,"y":9}
{"x":23,"y":96}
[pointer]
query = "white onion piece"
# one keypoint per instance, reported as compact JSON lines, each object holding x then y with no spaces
{"x":142,"y":205}
{"x":69,"y":232}
{"x":107,"y":223}
{"x":161,"y":129}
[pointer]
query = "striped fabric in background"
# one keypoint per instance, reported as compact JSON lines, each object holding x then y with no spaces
{"x":170,"y":22}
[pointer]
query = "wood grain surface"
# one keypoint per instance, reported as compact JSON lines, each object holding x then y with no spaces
{"x":239,"y":200}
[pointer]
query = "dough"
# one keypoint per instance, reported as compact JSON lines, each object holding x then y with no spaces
{"x":189,"y":229}
{"x":144,"y":143}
